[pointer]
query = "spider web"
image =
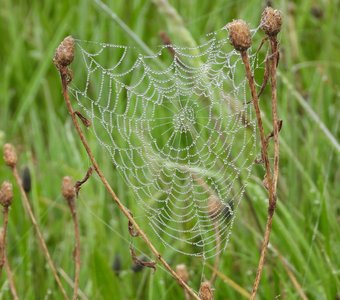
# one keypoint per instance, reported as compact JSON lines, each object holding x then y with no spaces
{"x":179,"y":127}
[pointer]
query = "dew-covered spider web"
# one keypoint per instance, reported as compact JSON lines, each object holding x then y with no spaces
{"x":179,"y":126}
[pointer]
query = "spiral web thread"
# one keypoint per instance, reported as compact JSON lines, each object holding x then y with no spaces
{"x":179,"y":127}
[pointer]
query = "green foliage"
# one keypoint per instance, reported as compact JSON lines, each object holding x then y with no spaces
{"x":33,"y":117}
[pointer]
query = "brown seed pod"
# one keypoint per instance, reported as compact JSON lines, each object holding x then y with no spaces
{"x":10,"y":156}
{"x":65,"y":53}
{"x":271,"y":21}
{"x":67,"y":188}
{"x":6,"y":194}
{"x":215,"y":207}
{"x":239,"y":35}
{"x":205,"y":291}
{"x":182,"y":272}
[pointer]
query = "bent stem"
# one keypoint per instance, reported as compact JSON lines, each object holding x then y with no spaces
{"x":64,"y":74}
{"x":37,"y":229}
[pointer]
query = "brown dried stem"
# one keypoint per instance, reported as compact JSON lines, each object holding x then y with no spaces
{"x":29,"y":210}
{"x":3,"y":239}
{"x":64,"y":74}
{"x":69,"y":192}
{"x":76,"y":250}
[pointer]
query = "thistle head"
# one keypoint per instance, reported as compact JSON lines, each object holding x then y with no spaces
{"x":205,"y":291}
{"x":239,"y":35}
{"x":68,"y":190}
{"x":271,"y":21}
{"x":65,"y":53}
{"x":182,"y":272}
{"x":10,"y":156}
{"x":6,"y":194}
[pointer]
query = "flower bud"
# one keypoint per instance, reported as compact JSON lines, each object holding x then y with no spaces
{"x":6,"y":194}
{"x":67,"y":189}
{"x":239,"y":35}
{"x":271,"y":21}
{"x":10,"y":156}
{"x":65,"y":53}
{"x":182,"y":272}
{"x":205,"y":291}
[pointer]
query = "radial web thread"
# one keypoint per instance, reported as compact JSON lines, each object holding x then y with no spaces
{"x":179,"y":127}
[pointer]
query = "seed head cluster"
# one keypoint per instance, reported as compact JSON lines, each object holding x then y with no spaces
{"x":6,"y":194}
{"x":10,"y":156}
{"x":67,"y":189}
{"x":239,"y":34}
{"x":271,"y":21}
{"x":64,"y":54}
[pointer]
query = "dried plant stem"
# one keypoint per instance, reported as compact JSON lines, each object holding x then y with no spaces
{"x":76,"y":250}
{"x":269,"y":178}
{"x":3,"y":239}
{"x":37,"y":229}
{"x":11,"y":280}
{"x":276,"y":123}
{"x":64,"y":74}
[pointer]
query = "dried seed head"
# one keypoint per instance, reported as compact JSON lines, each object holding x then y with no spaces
{"x":65,"y":53}
{"x":10,"y":156}
{"x":271,"y":21}
{"x":67,"y":189}
{"x":215,"y":207}
{"x":182,"y":272}
{"x":6,"y":194}
{"x":205,"y":292}
{"x":239,"y":35}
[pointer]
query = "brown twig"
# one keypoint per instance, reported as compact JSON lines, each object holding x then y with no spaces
{"x":62,"y":59}
{"x":79,"y":183}
{"x":70,"y":191}
{"x":142,"y":263}
{"x":6,"y":197}
{"x":11,"y":160}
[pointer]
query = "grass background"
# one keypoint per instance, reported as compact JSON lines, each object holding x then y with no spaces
{"x":306,"y":231}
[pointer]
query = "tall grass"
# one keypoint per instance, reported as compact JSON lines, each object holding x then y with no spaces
{"x":306,"y":229}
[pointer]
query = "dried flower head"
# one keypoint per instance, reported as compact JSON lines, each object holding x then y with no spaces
{"x":271,"y":21}
{"x":10,"y":156}
{"x":182,"y":272}
{"x":68,"y":190}
{"x":6,"y":194}
{"x":215,"y":207}
{"x":239,"y":35}
{"x":65,"y":53}
{"x":205,"y":291}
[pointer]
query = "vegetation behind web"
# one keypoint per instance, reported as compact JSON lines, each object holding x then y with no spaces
{"x":33,"y":117}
